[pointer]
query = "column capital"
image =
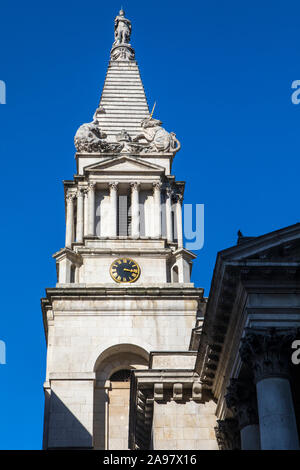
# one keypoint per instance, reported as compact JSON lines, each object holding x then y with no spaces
{"x":135,"y":185}
{"x":177,"y":197}
{"x":113,"y":185}
{"x":70,"y":197}
{"x":169,"y":191}
{"x":227,"y":434}
{"x":267,"y":351}
{"x":92,"y":186}
{"x":80,"y":191}
{"x":157,"y":185}
{"x":241,"y":399}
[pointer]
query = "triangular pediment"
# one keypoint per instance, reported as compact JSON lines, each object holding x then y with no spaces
{"x":283,"y":244}
{"x":125,"y":165}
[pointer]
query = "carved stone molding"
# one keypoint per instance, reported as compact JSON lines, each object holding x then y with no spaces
{"x":122,"y":52}
{"x":123,"y":136}
{"x":227,"y":434}
{"x":268,"y":351}
{"x":177,"y":392}
{"x":158,"y":392}
{"x":241,"y":399}
{"x":197,"y":391}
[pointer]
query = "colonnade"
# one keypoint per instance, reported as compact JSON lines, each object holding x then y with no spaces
{"x":86,"y":210}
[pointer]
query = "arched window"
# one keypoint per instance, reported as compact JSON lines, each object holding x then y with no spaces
{"x":72,"y":274}
{"x":121,"y":376}
{"x":175,"y":274}
{"x":112,"y":394}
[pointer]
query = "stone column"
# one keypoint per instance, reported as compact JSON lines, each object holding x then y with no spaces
{"x":268,"y":353}
{"x":70,"y":220}
{"x":79,"y":225}
{"x":91,"y":230}
{"x":169,"y":214}
{"x":113,"y":195}
{"x":241,"y":399}
{"x":227,"y":434}
{"x":86,"y":212}
{"x":179,"y":199}
{"x":135,"y":210}
{"x":157,"y":210}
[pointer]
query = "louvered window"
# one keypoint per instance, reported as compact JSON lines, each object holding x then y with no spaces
{"x":124,"y":215}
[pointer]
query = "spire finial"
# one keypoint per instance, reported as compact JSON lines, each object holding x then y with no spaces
{"x":121,"y":49}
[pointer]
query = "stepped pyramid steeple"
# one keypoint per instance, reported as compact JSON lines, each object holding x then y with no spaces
{"x":122,"y":122}
{"x":123,"y":103}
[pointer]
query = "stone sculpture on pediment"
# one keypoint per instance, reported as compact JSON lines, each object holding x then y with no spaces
{"x":159,"y":140}
{"x":91,"y":139}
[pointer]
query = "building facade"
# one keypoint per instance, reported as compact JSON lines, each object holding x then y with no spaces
{"x":137,"y":358}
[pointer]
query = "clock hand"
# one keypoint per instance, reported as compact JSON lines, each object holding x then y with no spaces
{"x":130,"y":270}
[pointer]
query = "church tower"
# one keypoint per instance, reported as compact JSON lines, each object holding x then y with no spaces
{"x":123,"y":289}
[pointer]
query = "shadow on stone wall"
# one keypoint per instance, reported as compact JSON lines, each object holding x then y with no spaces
{"x":62,"y":428}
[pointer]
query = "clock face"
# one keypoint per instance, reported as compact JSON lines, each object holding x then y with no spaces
{"x":125,"y":270}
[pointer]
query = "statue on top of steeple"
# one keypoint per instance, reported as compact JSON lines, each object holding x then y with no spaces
{"x":121,"y":48}
{"x":122,"y":29}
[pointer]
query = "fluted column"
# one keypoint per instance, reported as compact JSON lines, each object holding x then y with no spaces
{"x":179,"y":199}
{"x":86,"y":212}
{"x":113,"y":194}
{"x":91,"y":230}
{"x":157,"y":210}
{"x":135,"y":210}
{"x":169,"y":214}
{"x":241,"y":399}
{"x":268,"y":353}
{"x":79,"y":225}
{"x":70,"y":220}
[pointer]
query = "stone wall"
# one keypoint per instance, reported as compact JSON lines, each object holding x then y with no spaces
{"x":186,"y":425}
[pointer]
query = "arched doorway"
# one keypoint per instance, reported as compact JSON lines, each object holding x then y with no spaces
{"x":112,"y":394}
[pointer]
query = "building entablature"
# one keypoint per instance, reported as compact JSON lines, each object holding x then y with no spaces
{"x":84,"y":160}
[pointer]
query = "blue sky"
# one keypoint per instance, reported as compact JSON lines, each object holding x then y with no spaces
{"x":221,"y":73}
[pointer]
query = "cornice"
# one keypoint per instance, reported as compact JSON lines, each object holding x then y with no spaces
{"x":130,"y":291}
